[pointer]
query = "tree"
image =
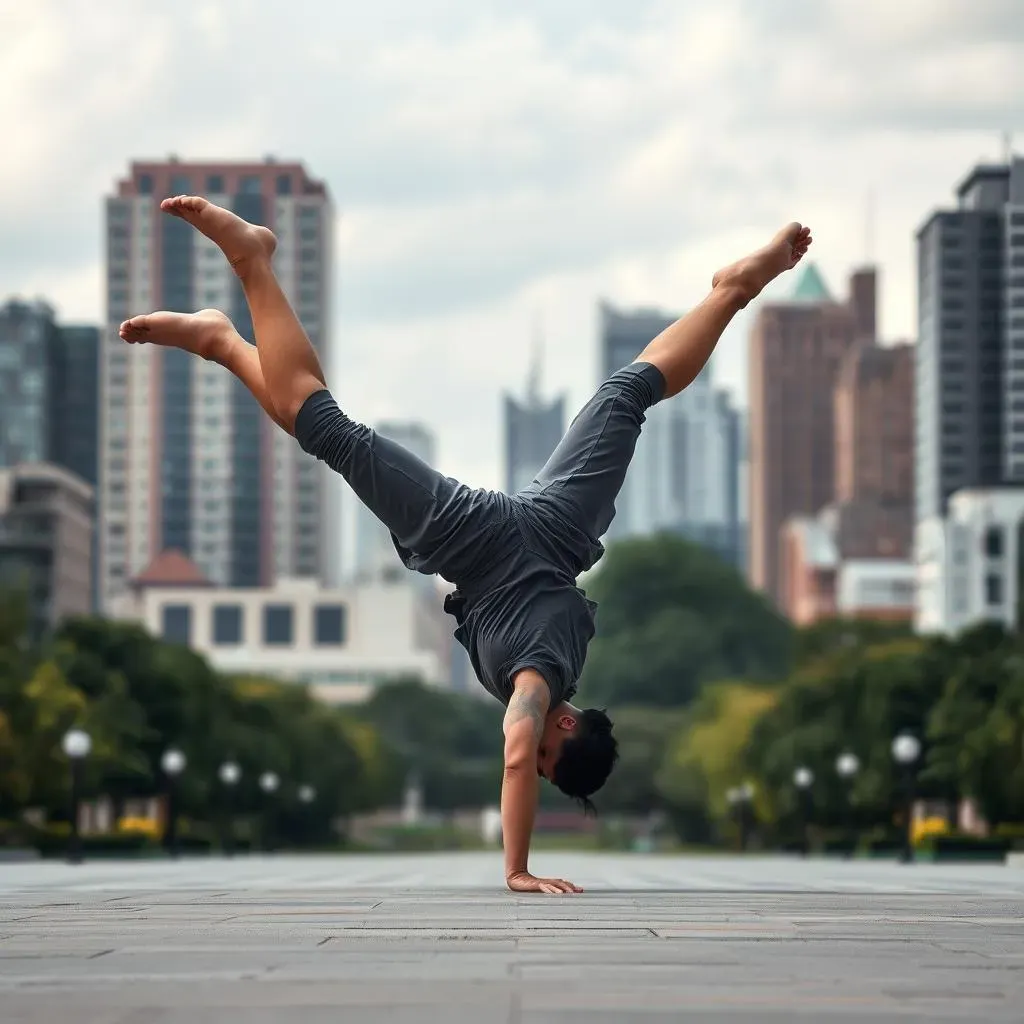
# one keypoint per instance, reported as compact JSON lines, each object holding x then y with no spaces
{"x":708,"y":757}
{"x":643,"y":736}
{"x":452,"y":743}
{"x":673,"y":617}
{"x":976,"y":728}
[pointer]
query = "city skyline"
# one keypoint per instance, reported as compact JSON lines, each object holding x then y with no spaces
{"x":464,"y":210}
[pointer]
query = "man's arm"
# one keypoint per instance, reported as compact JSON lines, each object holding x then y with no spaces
{"x":523,"y":728}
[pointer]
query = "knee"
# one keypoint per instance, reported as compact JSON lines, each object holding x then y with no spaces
{"x":290,"y":404}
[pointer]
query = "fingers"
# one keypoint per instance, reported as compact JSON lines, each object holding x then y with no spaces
{"x":558,"y":886}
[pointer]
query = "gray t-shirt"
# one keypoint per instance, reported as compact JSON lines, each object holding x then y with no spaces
{"x":533,"y":620}
{"x":528,"y":612}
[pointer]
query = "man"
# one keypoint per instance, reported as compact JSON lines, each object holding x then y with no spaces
{"x":514,"y":559}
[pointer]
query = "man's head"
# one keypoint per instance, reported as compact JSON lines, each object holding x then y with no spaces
{"x":577,"y":751}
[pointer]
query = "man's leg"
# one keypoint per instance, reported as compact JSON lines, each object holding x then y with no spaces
{"x":682,"y":350}
{"x":588,"y":467}
{"x":211,"y":335}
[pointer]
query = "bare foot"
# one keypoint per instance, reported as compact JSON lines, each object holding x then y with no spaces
{"x":208,"y":333}
{"x":240,"y":241}
{"x":750,"y":274}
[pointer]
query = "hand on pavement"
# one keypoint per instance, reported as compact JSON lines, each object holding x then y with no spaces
{"x":523,"y":881}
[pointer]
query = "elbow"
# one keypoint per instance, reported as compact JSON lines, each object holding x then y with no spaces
{"x":517,"y":766}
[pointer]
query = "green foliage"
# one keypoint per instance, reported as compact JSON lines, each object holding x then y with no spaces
{"x":673,"y":617}
{"x":450,"y":742}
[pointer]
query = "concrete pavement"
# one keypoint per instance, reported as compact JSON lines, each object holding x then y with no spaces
{"x":437,"y":938}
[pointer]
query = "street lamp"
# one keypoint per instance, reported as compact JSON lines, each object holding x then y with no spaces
{"x":847,"y":766}
{"x":269,"y":782}
{"x":803,"y":779}
{"x":906,"y":749}
{"x":739,"y":799}
{"x":173,"y":764}
{"x":229,"y":774}
{"x":76,"y":744}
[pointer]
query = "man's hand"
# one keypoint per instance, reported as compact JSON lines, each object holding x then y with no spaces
{"x":523,"y":881}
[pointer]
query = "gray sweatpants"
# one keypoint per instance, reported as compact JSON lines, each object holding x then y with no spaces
{"x":440,"y":525}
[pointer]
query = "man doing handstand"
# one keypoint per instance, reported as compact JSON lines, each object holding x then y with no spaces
{"x":514,"y":559}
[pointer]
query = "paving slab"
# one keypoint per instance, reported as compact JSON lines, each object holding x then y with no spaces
{"x":431,"y":938}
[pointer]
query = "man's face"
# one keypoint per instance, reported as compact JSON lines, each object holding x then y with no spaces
{"x":557,"y":729}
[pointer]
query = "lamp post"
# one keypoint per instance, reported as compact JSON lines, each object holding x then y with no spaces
{"x":746,"y":806}
{"x":173,"y":764}
{"x":76,"y":744}
{"x":739,"y":799}
{"x":906,"y":749}
{"x":733,"y":798}
{"x":229,"y":774}
{"x":803,"y":779}
{"x":847,"y":766}
{"x":269,"y":783}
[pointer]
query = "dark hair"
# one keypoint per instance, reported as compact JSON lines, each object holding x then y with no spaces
{"x":587,"y":757}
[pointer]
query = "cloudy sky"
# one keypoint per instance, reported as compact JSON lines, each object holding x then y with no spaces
{"x":496,"y":165}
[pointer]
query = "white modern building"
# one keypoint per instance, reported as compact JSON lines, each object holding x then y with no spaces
{"x":969,"y":564}
{"x":341,"y":642}
{"x":188,"y":460}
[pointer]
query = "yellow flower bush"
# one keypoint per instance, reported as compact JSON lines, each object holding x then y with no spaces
{"x":146,"y":826}
{"x":926,"y":828}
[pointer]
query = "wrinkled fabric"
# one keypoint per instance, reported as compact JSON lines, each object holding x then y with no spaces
{"x":514,"y":560}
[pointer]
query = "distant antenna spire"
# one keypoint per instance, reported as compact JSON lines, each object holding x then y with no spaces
{"x":869,"y":226}
{"x":1007,"y":147}
{"x":536,"y":363}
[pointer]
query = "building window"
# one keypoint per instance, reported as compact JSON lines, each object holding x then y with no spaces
{"x":215,"y":184}
{"x":177,"y":623}
{"x":145,"y":184}
{"x":277,"y":624}
{"x":181,"y":185}
{"x":993,"y":590}
{"x":994,"y":542}
{"x":329,"y":624}
{"x":250,"y":185}
{"x":227,"y":624}
{"x":284,"y":184}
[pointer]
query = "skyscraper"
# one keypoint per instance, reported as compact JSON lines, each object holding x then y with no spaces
{"x":533,"y":428}
{"x":705,"y":464}
{"x":796,"y":349}
{"x":48,"y":390}
{"x":647,"y":502}
{"x":375,"y":557}
{"x":189,"y":461}
{"x":969,"y":398}
{"x":970,"y":353}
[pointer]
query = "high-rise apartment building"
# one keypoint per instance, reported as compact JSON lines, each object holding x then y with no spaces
{"x":969,"y":383}
{"x":375,"y":557}
{"x":970,"y":353}
{"x":796,"y":350}
{"x":533,"y":428}
{"x":189,"y":460}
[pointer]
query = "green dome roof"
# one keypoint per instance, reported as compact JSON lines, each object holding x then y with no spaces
{"x":811,"y":287}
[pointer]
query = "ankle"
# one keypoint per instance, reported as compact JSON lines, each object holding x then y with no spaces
{"x":734,"y":292}
{"x":250,"y":267}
